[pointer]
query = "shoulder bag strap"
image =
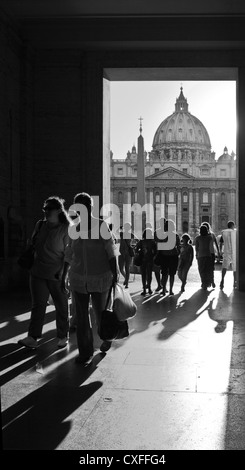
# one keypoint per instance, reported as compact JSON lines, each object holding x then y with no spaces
{"x":34,"y":236}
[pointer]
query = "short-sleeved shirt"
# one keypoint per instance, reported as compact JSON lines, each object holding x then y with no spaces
{"x":50,"y":245}
{"x":89,"y":261}
{"x":204,"y":246}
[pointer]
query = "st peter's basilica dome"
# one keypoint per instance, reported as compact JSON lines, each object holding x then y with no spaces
{"x":182,"y":128}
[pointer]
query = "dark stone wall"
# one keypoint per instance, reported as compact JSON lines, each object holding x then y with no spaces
{"x":58,"y":162}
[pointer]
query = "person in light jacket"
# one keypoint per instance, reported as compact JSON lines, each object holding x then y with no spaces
{"x":92,"y":271}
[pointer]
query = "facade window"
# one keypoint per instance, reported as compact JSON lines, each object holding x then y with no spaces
{"x":134,"y":195}
{"x":157,"y":197}
{"x":205,"y":197}
{"x":171,"y":196}
{"x":223,"y":198}
{"x":185,"y":170}
{"x":156,"y":170}
{"x":222,"y":172}
{"x":120,"y":197}
{"x":184,"y":209}
{"x":120,"y":171}
{"x":205,"y":172}
{"x":223,"y":222}
{"x":185,"y":197}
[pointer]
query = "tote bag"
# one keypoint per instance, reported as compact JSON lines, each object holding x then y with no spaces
{"x":123,"y":304}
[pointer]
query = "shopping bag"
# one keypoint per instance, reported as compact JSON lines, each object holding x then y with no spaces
{"x":110,"y":327}
{"x":123,"y":305}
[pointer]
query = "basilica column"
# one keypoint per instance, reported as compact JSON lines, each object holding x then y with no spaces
{"x":233,"y":205}
{"x":150,"y":208}
{"x":213,"y":223}
{"x":197,"y":216}
{"x":190,"y":209}
{"x":127,"y":207}
{"x":179,"y":213}
{"x":163,"y":208}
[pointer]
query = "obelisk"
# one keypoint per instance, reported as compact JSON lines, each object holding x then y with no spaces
{"x":141,"y":197}
{"x":141,"y":169}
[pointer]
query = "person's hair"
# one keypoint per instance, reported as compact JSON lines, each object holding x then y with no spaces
{"x":230,"y":224}
{"x":85,"y":199}
{"x":203,"y":230}
{"x":187,"y":237}
{"x":206,"y":224}
{"x":57,"y":203}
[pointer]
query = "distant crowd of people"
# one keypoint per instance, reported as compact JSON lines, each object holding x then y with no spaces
{"x":166,"y":261}
{"x":85,"y":268}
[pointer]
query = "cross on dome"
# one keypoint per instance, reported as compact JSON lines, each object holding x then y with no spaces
{"x":140,"y":119}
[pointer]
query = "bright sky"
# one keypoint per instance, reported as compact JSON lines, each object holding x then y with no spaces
{"x":213,"y":102}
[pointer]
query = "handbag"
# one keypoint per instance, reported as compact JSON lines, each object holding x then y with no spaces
{"x":110,"y":328}
{"x":26,"y":259}
{"x":123,"y":305}
{"x":131,"y":251}
{"x":138,"y":258}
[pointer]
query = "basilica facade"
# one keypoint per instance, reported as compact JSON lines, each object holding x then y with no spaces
{"x":181,"y":172}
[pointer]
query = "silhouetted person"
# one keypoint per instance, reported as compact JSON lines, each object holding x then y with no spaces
{"x":148,"y":248}
{"x":210,"y":232}
{"x":204,"y":254}
{"x":228,"y":238}
{"x":126,"y":252}
{"x":169,"y":256}
{"x":185,"y":259}
{"x":48,"y":272}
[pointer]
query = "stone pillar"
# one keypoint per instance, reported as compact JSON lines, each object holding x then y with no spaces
{"x":127,"y":207}
{"x":240,"y":219}
{"x":162,"y":203}
{"x":233,"y":206}
{"x":190,"y":196}
{"x":213,"y":209}
{"x":150,"y":209}
{"x":197,"y":216}
{"x":179,"y":213}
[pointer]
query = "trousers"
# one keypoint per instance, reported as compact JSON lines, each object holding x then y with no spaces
{"x":40,"y":291}
{"x":85,"y":342}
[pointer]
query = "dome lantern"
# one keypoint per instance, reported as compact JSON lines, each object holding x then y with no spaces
{"x":181,"y":103}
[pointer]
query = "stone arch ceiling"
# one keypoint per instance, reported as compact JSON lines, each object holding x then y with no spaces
{"x":111,"y":24}
{"x":75,"y":8}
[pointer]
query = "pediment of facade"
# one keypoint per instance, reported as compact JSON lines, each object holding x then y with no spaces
{"x":170,"y":173}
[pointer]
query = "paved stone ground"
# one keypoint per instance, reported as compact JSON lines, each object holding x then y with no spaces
{"x":176,"y":383}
